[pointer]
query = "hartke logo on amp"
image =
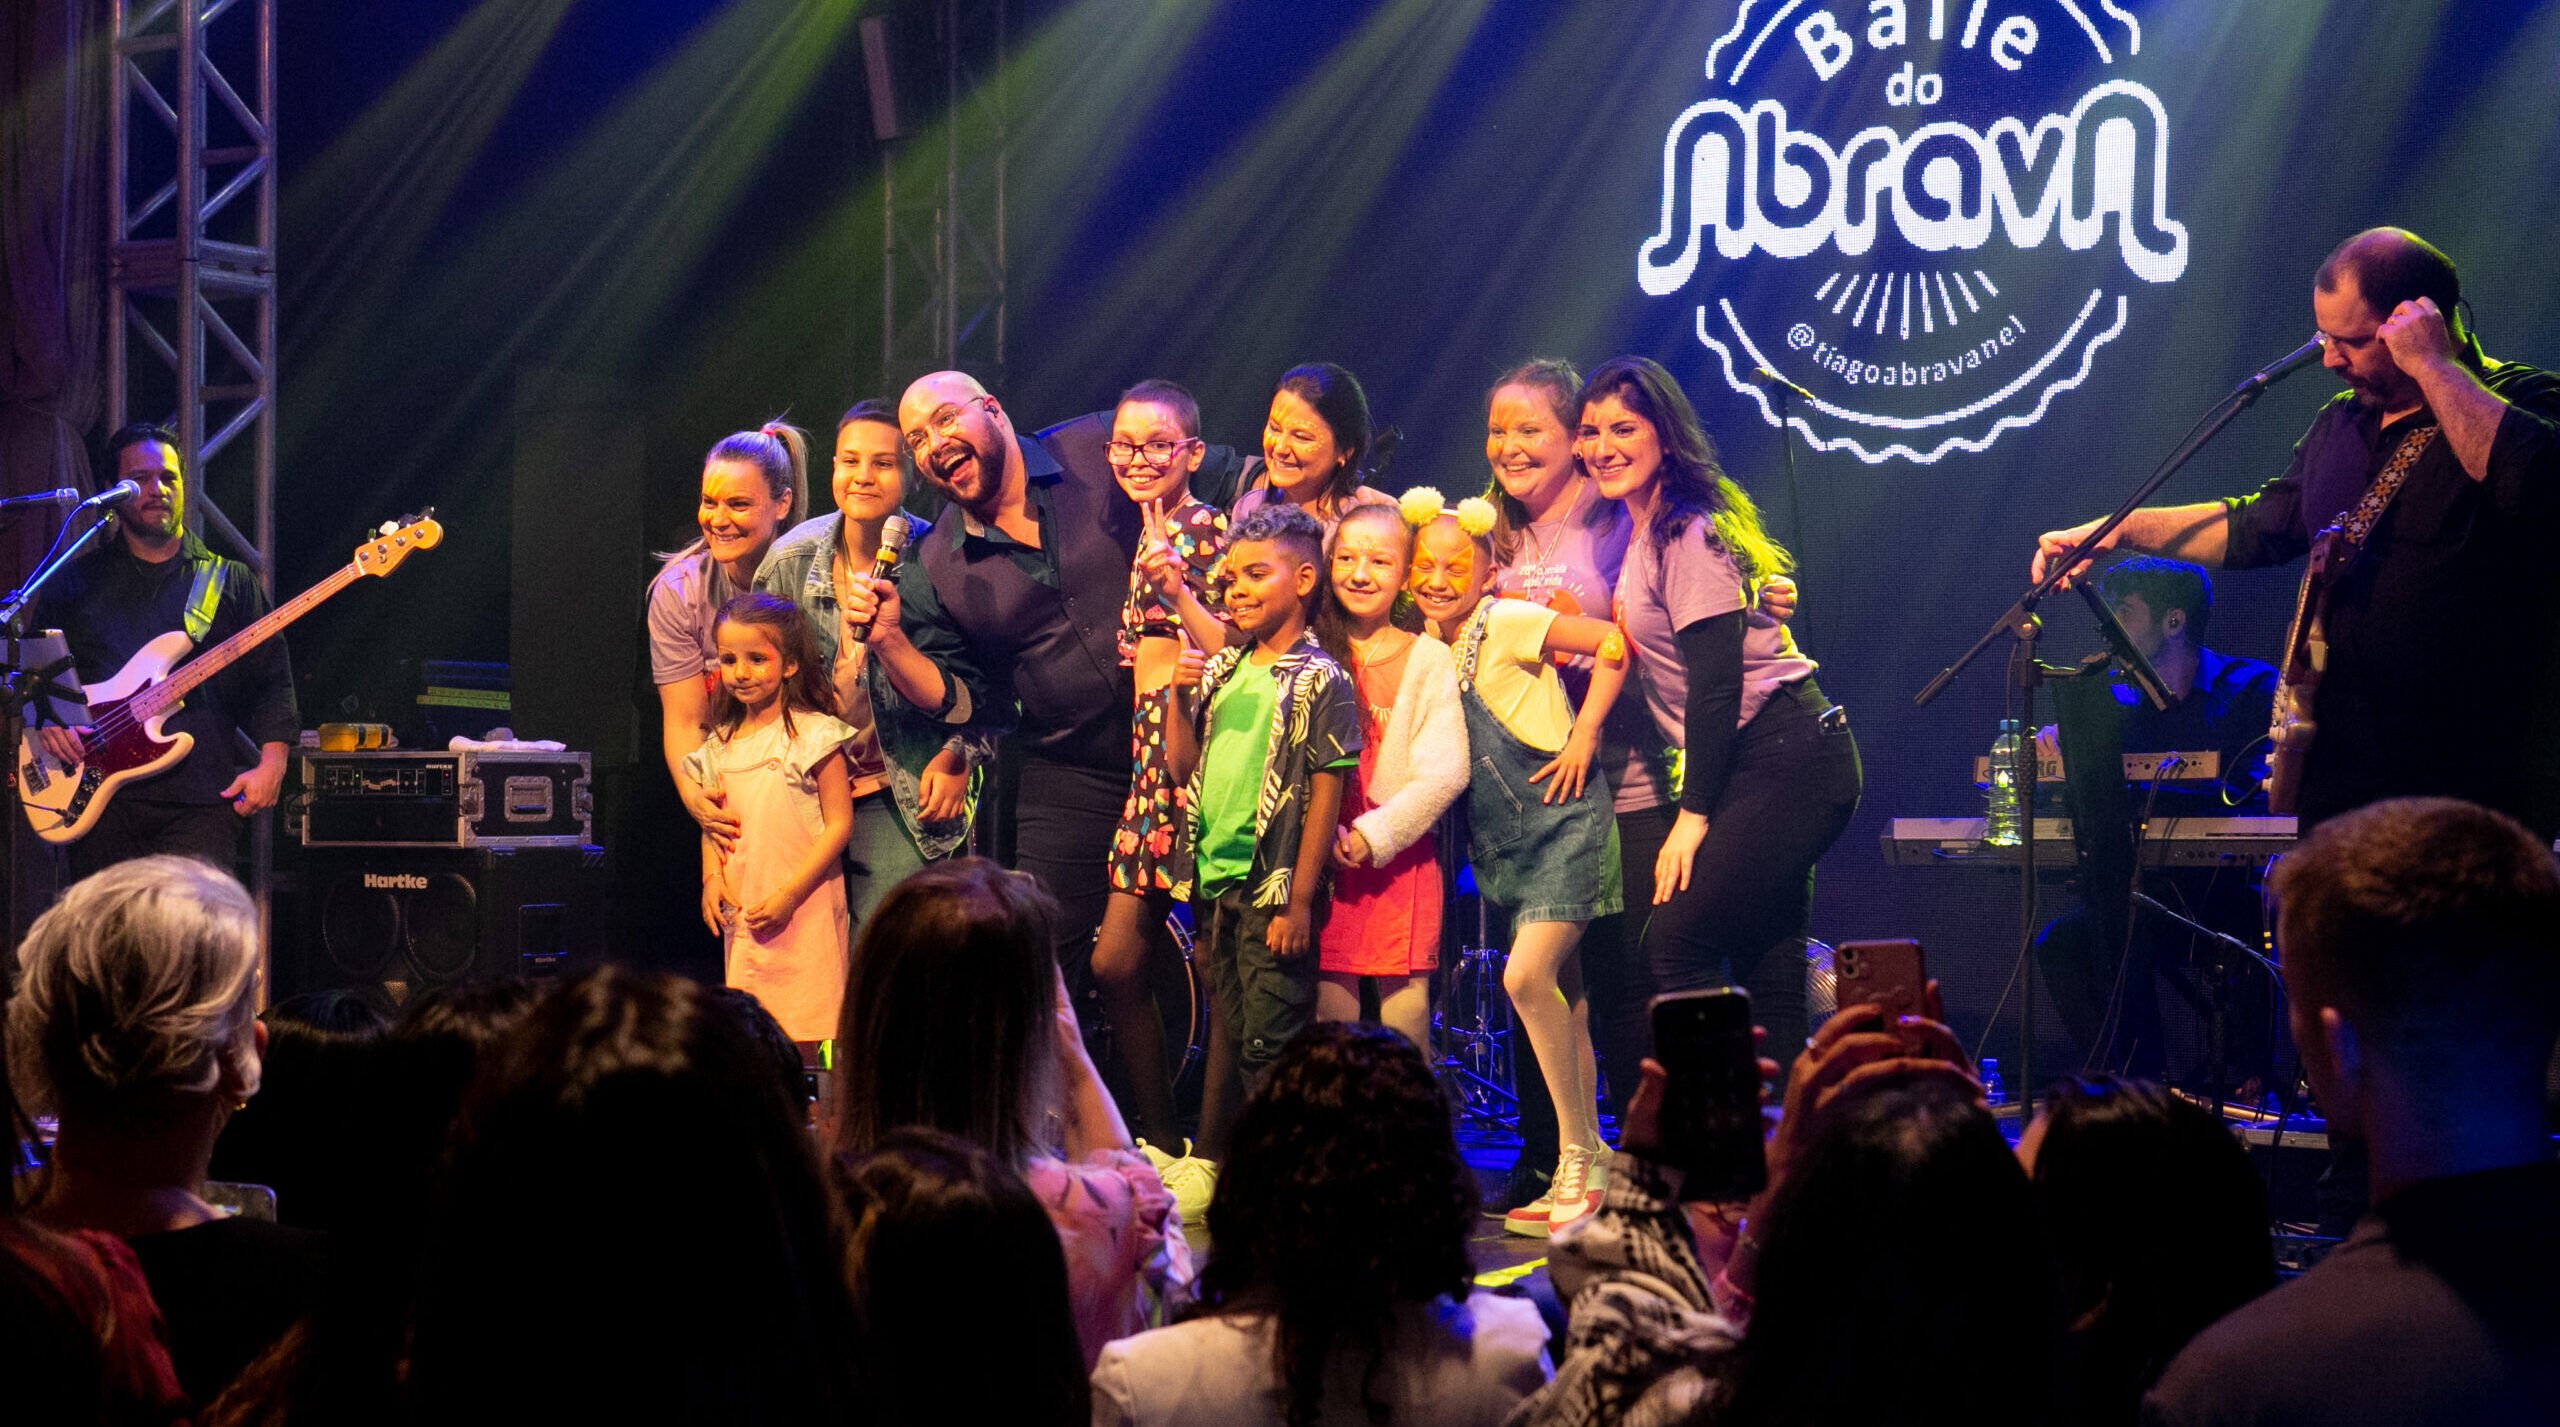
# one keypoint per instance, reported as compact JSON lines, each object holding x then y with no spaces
{"x":394,"y":882}
{"x":1935,"y":215}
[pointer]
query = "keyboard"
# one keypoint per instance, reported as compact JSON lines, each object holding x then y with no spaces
{"x":2167,"y":842}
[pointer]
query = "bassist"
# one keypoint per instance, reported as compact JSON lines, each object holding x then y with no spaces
{"x":149,"y":578}
{"x":2443,"y":668}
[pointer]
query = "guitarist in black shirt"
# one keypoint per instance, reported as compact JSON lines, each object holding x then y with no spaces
{"x":2449,"y":588}
{"x":146,"y":579}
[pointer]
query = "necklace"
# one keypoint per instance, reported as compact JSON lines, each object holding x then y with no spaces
{"x":1361,"y":652}
{"x":1540,"y":548}
{"x":1362,"y":662}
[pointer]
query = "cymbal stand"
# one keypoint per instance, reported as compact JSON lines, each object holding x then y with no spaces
{"x":1474,"y":1025}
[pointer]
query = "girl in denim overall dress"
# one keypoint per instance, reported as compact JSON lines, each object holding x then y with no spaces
{"x":1542,"y":838}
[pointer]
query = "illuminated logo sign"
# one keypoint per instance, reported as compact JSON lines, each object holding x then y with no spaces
{"x":1931,"y":214}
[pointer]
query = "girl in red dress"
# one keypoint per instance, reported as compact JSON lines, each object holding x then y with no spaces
{"x":1385,"y":921}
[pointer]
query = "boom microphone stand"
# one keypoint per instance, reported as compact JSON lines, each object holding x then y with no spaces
{"x":2019,"y":622}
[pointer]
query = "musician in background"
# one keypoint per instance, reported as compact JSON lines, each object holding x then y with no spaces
{"x":2443,"y":671}
{"x":2219,"y":704}
{"x":141,"y":581}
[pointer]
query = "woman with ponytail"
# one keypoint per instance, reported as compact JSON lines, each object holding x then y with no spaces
{"x":755,"y":485}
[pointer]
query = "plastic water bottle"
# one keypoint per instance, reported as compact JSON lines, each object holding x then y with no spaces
{"x":1995,"y":1091}
{"x":2000,"y":811}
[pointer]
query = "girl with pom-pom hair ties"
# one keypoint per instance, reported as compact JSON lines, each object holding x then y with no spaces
{"x":1542,"y":839}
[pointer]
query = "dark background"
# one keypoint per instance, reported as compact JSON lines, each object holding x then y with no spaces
{"x":665,"y":216}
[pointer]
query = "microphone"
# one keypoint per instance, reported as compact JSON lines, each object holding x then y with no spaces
{"x":893,"y":539}
{"x":116,"y":494}
{"x":64,"y":496}
{"x":2284,"y":366}
{"x":1762,"y":376}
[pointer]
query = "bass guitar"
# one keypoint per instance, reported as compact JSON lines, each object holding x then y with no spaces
{"x":122,"y":744}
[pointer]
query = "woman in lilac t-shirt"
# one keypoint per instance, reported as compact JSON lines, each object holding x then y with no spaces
{"x":1770,"y":771}
{"x":1560,"y":543}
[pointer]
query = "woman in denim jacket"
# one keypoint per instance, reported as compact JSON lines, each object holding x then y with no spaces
{"x":915,"y":779}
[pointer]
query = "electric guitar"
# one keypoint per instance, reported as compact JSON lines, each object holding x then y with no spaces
{"x":2306,"y":655}
{"x":122,"y":742}
{"x":2306,"y":647}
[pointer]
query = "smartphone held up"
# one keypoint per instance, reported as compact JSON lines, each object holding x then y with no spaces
{"x":1711,"y":1127}
{"x":1890,"y":975}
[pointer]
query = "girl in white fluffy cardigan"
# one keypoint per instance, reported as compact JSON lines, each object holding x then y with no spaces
{"x":1385,"y":916}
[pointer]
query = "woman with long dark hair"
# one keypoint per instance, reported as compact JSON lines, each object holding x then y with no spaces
{"x":1558,"y":542}
{"x":1897,"y":1242}
{"x":1319,"y":447}
{"x":956,"y":1018}
{"x":631,"y":1225}
{"x":1768,"y":771}
{"x":1340,"y":1290}
{"x":2160,"y":1227}
{"x":946,"y":1234}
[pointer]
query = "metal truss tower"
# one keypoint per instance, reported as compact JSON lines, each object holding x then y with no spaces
{"x":192,"y":270}
{"x":942,"y":222}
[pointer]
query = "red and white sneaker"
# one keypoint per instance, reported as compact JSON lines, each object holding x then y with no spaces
{"x":1575,"y":1200}
{"x":1566,"y":1191}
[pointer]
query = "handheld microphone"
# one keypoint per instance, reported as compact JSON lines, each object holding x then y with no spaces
{"x":1762,"y":376}
{"x":2284,"y":366}
{"x":117,"y":494}
{"x":893,"y":540}
{"x":64,"y":496}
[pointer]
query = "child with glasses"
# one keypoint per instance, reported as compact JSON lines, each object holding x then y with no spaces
{"x":1176,"y":595}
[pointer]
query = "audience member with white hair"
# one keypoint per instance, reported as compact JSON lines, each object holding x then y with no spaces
{"x":135,"y":1023}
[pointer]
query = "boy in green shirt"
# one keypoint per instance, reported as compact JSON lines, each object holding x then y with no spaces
{"x":1267,"y":738}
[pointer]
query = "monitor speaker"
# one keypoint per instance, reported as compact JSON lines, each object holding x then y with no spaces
{"x":403,"y":919}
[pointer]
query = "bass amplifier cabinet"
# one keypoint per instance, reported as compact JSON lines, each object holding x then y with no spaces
{"x":399,"y":920}
{"x":455,"y":798}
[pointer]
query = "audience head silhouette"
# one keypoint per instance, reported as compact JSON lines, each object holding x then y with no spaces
{"x":949,"y":1016}
{"x":1904,"y":1245}
{"x":945,"y":1233}
{"x":2159,"y":1227}
{"x":631,"y":1226}
{"x":1342,"y":1196}
{"x":137,"y":997}
{"x":2421,"y":947}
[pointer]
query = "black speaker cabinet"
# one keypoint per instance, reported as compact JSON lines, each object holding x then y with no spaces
{"x":404,"y":919}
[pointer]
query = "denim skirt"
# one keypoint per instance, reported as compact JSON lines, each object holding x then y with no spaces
{"x":1546,"y":862}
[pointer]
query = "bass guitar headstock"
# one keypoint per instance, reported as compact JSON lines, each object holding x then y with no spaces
{"x":393,"y":543}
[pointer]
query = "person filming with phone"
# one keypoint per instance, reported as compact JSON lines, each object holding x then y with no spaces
{"x":1887,"y":1244}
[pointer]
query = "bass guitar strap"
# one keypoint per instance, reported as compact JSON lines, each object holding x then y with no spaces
{"x":204,"y":598}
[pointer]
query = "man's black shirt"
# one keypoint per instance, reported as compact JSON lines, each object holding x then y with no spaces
{"x":2444,"y":637}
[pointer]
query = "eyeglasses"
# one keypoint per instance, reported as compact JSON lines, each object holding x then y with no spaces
{"x":1157,"y":453}
{"x":944,"y":420}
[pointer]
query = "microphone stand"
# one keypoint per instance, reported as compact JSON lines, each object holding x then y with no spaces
{"x":2026,"y":673}
{"x":22,"y":690}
